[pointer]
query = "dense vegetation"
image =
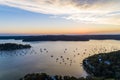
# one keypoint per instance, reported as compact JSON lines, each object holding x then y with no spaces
{"x":13,"y":46}
{"x":43,"y":76}
{"x":103,"y":65}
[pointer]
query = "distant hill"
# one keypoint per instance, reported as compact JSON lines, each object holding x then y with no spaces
{"x":62,"y":37}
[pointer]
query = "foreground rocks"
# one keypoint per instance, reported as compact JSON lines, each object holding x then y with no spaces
{"x":44,"y":76}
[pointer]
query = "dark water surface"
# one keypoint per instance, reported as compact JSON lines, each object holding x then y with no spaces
{"x":60,"y":57}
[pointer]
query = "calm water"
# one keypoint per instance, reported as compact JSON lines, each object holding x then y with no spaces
{"x":60,"y":57}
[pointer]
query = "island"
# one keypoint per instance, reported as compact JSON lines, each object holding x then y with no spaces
{"x":105,"y":65}
{"x":13,"y":46}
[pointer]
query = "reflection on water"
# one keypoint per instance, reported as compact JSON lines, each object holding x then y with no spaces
{"x":62,"y":58}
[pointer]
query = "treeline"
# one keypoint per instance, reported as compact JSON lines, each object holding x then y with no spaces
{"x":13,"y":46}
{"x":44,"y":76}
{"x":62,"y":37}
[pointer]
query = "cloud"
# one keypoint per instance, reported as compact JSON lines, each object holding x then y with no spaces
{"x":83,"y":11}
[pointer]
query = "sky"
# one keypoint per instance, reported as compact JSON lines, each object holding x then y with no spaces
{"x":41,"y":17}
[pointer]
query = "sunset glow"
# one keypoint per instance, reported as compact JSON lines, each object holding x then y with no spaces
{"x":60,"y":17}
